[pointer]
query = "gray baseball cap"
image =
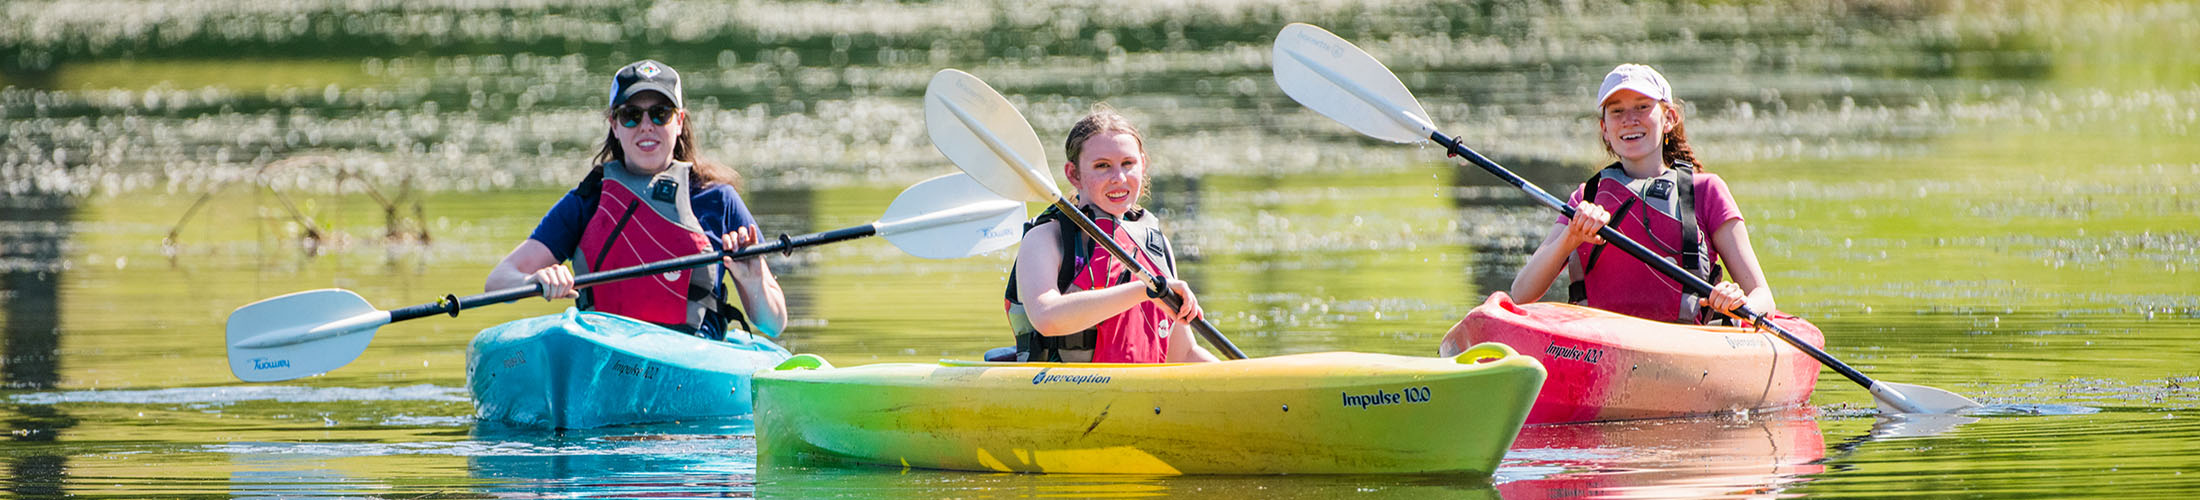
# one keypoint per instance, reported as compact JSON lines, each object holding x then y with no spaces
{"x":646,"y":75}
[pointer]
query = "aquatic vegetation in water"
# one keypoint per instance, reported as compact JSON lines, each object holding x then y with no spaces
{"x":806,"y":95}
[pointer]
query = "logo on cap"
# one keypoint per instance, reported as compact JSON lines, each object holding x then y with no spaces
{"x":648,"y":70}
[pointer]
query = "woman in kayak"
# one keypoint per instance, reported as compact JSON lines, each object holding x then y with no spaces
{"x":1068,"y":299}
{"x":1656,"y":177}
{"x":650,"y":197}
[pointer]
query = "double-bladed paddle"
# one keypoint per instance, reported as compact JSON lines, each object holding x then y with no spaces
{"x":1338,"y":80}
{"x":980,"y":131}
{"x":316,"y":331}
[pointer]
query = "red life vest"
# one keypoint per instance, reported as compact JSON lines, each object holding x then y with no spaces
{"x":1133,"y":336}
{"x":639,"y":220}
{"x":1663,"y":218}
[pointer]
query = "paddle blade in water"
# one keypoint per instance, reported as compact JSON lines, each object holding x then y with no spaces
{"x":300,"y":334}
{"x":1337,"y":79}
{"x":950,"y":217}
{"x":979,"y":130}
{"x":1908,"y":398}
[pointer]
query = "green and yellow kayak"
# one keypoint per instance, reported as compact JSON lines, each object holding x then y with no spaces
{"x":1324,"y":413}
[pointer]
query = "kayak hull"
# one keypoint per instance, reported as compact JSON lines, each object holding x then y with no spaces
{"x":1325,"y":413}
{"x":579,"y":370}
{"x":1607,"y":366}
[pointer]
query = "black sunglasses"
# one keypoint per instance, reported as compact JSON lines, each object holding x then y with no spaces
{"x":631,"y":116}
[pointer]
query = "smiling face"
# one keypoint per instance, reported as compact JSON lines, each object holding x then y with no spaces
{"x":1634,"y":126}
{"x":647,"y":145}
{"x":1110,"y":173}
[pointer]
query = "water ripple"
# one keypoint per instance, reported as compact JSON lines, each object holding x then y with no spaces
{"x":224,"y":395}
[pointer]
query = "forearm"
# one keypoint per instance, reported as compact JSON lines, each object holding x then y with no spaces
{"x":504,"y":276}
{"x":1184,"y":347}
{"x":1760,"y":300}
{"x":518,"y":267}
{"x":1542,"y":268}
{"x":760,"y":296}
{"x":1057,"y":314}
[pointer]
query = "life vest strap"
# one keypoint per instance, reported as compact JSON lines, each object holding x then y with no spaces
{"x":716,"y":313}
{"x":1691,"y":256}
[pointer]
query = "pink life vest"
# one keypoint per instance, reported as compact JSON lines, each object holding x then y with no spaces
{"x":1135,"y":335}
{"x":1621,"y":284}
{"x":639,"y":220}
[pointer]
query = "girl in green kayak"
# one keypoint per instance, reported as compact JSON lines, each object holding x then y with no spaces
{"x":1067,"y":299}
{"x":650,"y":197}
{"x":1658,"y":195}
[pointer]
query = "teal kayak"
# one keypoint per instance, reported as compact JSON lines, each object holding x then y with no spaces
{"x":579,"y":370}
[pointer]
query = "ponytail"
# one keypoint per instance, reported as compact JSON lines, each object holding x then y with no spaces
{"x":1676,"y":142}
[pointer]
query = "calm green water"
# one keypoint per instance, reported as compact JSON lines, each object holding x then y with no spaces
{"x":1992,"y":199}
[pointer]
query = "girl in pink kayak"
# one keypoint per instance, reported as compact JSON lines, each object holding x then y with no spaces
{"x":1660,"y":196}
{"x":649,"y":197}
{"x":1067,"y":299}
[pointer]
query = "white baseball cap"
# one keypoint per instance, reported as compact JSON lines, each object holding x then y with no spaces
{"x":1637,"y":78}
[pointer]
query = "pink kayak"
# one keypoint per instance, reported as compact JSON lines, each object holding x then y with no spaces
{"x":1608,"y":366}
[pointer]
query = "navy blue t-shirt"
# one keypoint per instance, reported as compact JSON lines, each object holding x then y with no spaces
{"x":717,"y":208}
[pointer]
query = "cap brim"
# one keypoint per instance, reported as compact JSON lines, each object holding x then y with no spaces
{"x":1639,"y":88}
{"x":641,"y":87}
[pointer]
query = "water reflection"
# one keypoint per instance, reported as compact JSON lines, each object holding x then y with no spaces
{"x":704,"y":459}
{"x":38,"y":467}
{"x":1913,"y":425}
{"x":34,"y":231}
{"x":295,"y":476}
{"x":1717,"y":457}
{"x":789,"y":212}
{"x":1481,"y":200}
{"x":888,"y":482}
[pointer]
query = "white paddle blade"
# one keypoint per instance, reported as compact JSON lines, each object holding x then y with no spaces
{"x":981,"y":132}
{"x":1907,"y":398}
{"x":300,"y":334}
{"x":951,"y":217}
{"x":1335,"y":78}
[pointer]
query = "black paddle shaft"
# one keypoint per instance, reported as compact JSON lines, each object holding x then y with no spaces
{"x":452,"y":304}
{"x":1668,"y":268}
{"x":1153,"y":281}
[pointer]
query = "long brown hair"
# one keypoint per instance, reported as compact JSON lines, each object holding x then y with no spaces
{"x":704,"y":173}
{"x":1103,"y":118}
{"x":1676,"y":142}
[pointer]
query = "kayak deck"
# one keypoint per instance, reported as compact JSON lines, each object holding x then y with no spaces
{"x":1308,"y":413}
